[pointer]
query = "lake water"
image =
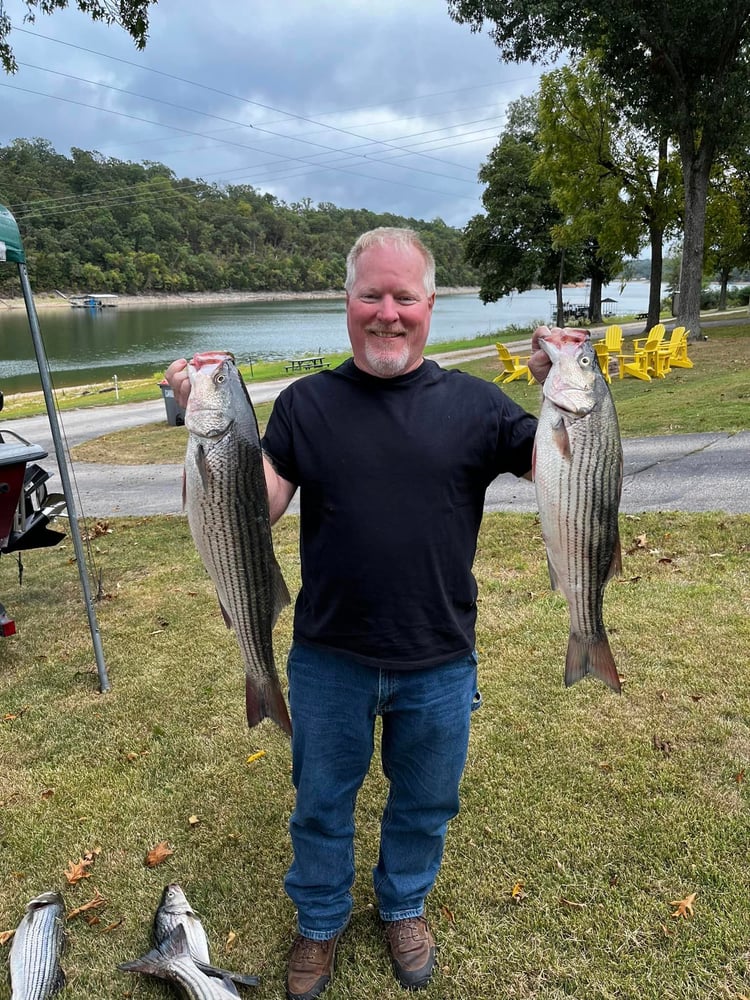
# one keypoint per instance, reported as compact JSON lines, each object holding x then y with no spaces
{"x":84,"y":346}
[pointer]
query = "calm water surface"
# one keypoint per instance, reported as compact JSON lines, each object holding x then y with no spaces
{"x":84,"y":346}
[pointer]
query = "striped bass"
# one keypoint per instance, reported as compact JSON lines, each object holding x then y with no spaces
{"x":225,"y":497}
{"x":35,"y":971}
{"x":172,"y":961}
{"x":578,"y":478}
{"x":174,"y":910}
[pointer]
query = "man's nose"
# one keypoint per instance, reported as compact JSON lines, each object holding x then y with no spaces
{"x":388,"y":313}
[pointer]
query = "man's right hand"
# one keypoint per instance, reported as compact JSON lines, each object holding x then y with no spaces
{"x":177,"y":376}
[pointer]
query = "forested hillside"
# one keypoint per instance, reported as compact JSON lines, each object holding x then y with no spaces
{"x":93,"y":223}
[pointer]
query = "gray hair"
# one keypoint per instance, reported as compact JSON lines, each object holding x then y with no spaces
{"x":390,"y":236}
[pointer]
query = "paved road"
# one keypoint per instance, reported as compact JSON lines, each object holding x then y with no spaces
{"x":689,"y":472}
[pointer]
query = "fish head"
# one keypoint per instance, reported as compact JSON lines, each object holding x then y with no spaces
{"x":571,"y":384}
{"x":174,"y":900}
{"x":210,"y":410}
{"x":45,"y":899}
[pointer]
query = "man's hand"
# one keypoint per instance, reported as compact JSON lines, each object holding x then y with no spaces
{"x":539,"y":363}
{"x":177,"y":376}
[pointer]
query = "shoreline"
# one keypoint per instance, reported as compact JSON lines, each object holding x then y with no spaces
{"x":155,"y":300}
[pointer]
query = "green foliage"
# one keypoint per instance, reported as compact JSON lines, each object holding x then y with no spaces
{"x":132,"y":15}
{"x":91,"y":222}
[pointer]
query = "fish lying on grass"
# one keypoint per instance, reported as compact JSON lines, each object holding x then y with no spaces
{"x":172,"y":961}
{"x":578,"y":478}
{"x":35,"y":971}
{"x":173,"y":911}
{"x":225,"y":497}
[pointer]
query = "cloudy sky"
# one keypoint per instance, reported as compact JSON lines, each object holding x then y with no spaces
{"x":380,"y":104}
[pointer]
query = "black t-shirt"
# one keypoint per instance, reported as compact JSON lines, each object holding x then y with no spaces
{"x":392,"y":476}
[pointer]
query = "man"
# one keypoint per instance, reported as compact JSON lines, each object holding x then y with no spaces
{"x":392,"y":456}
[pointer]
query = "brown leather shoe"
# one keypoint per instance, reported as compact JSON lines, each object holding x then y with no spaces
{"x":310,"y":967}
{"x":412,"y":949}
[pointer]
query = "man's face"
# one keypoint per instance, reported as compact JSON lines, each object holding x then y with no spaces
{"x":388,"y":311}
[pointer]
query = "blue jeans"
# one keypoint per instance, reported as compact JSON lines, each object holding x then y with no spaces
{"x":426,"y":713}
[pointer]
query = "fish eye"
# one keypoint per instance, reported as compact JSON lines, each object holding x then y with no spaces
{"x":221,"y":377}
{"x":585,"y":361}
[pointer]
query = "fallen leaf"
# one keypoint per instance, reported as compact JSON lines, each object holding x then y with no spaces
{"x":193,"y":820}
{"x":113,"y":927}
{"x":78,"y":870}
{"x":94,"y":903}
{"x":5,"y":936}
{"x":572,"y":904}
{"x":255,"y":756}
{"x":684,"y":906}
{"x":740,"y":776}
{"x":48,"y":793}
{"x":664,"y":745}
{"x":229,"y":943}
{"x":448,"y":914}
{"x":158,"y":854}
{"x":517,"y":893}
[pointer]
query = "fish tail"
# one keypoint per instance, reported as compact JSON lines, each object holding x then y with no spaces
{"x":591,"y":655}
{"x":154,"y":962}
{"x":266,"y":703}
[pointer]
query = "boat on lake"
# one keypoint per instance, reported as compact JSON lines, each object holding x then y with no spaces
{"x":92,"y":300}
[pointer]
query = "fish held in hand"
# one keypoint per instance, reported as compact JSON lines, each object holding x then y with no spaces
{"x":578,"y":479}
{"x":225,"y":497}
{"x":174,"y":910}
{"x":35,"y":971}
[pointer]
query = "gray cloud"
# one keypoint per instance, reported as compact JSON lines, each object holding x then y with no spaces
{"x":384,"y":106}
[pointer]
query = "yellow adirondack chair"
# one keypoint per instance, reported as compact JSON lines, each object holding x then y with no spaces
{"x":612,"y":344}
{"x":644,"y":361}
{"x":513,"y":366}
{"x":674,"y":354}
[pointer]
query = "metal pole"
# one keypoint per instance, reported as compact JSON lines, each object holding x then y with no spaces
{"x":64,"y":475}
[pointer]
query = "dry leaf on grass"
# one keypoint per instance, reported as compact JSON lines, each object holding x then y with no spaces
{"x":517,"y":893}
{"x":229,"y":943}
{"x":79,"y":870}
{"x":448,"y":914}
{"x":684,"y":906}
{"x":193,"y":820}
{"x":572,"y":904}
{"x":255,"y":756}
{"x":5,"y":936}
{"x":158,"y":854}
{"x":94,"y":903}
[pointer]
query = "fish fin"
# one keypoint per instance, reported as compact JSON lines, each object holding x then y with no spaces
{"x":280,"y":590}
{"x":533,"y":462}
{"x":553,"y":580}
{"x":201,"y":465}
{"x":266,"y":703}
{"x":615,"y":567}
{"x":560,"y":437}
{"x":153,"y":962}
{"x":59,"y":982}
{"x":225,"y":614}
{"x":223,"y":974}
{"x":184,"y":489}
{"x":591,"y":656}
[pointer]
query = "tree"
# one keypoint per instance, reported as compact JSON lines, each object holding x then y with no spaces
{"x":511,"y":244}
{"x":132,"y":15}
{"x":611,"y":180}
{"x":680,"y":67}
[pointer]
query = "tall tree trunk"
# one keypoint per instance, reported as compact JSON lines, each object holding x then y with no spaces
{"x":696,"y":167}
{"x":724,"y":277}
{"x":656,"y":240}
{"x":595,"y":297}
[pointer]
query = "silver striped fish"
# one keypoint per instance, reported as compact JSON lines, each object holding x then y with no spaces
{"x":225,"y":497}
{"x":173,"y":910}
{"x":172,"y":961}
{"x":35,"y":971}
{"x":578,"y":479}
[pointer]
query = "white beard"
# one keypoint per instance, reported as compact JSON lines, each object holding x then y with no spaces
{"x":386,"y":364}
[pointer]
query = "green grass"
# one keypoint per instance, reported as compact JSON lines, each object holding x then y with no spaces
{"x":606,"y":808}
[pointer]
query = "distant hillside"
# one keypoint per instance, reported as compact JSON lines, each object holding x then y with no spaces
{"x":90,"y":222}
